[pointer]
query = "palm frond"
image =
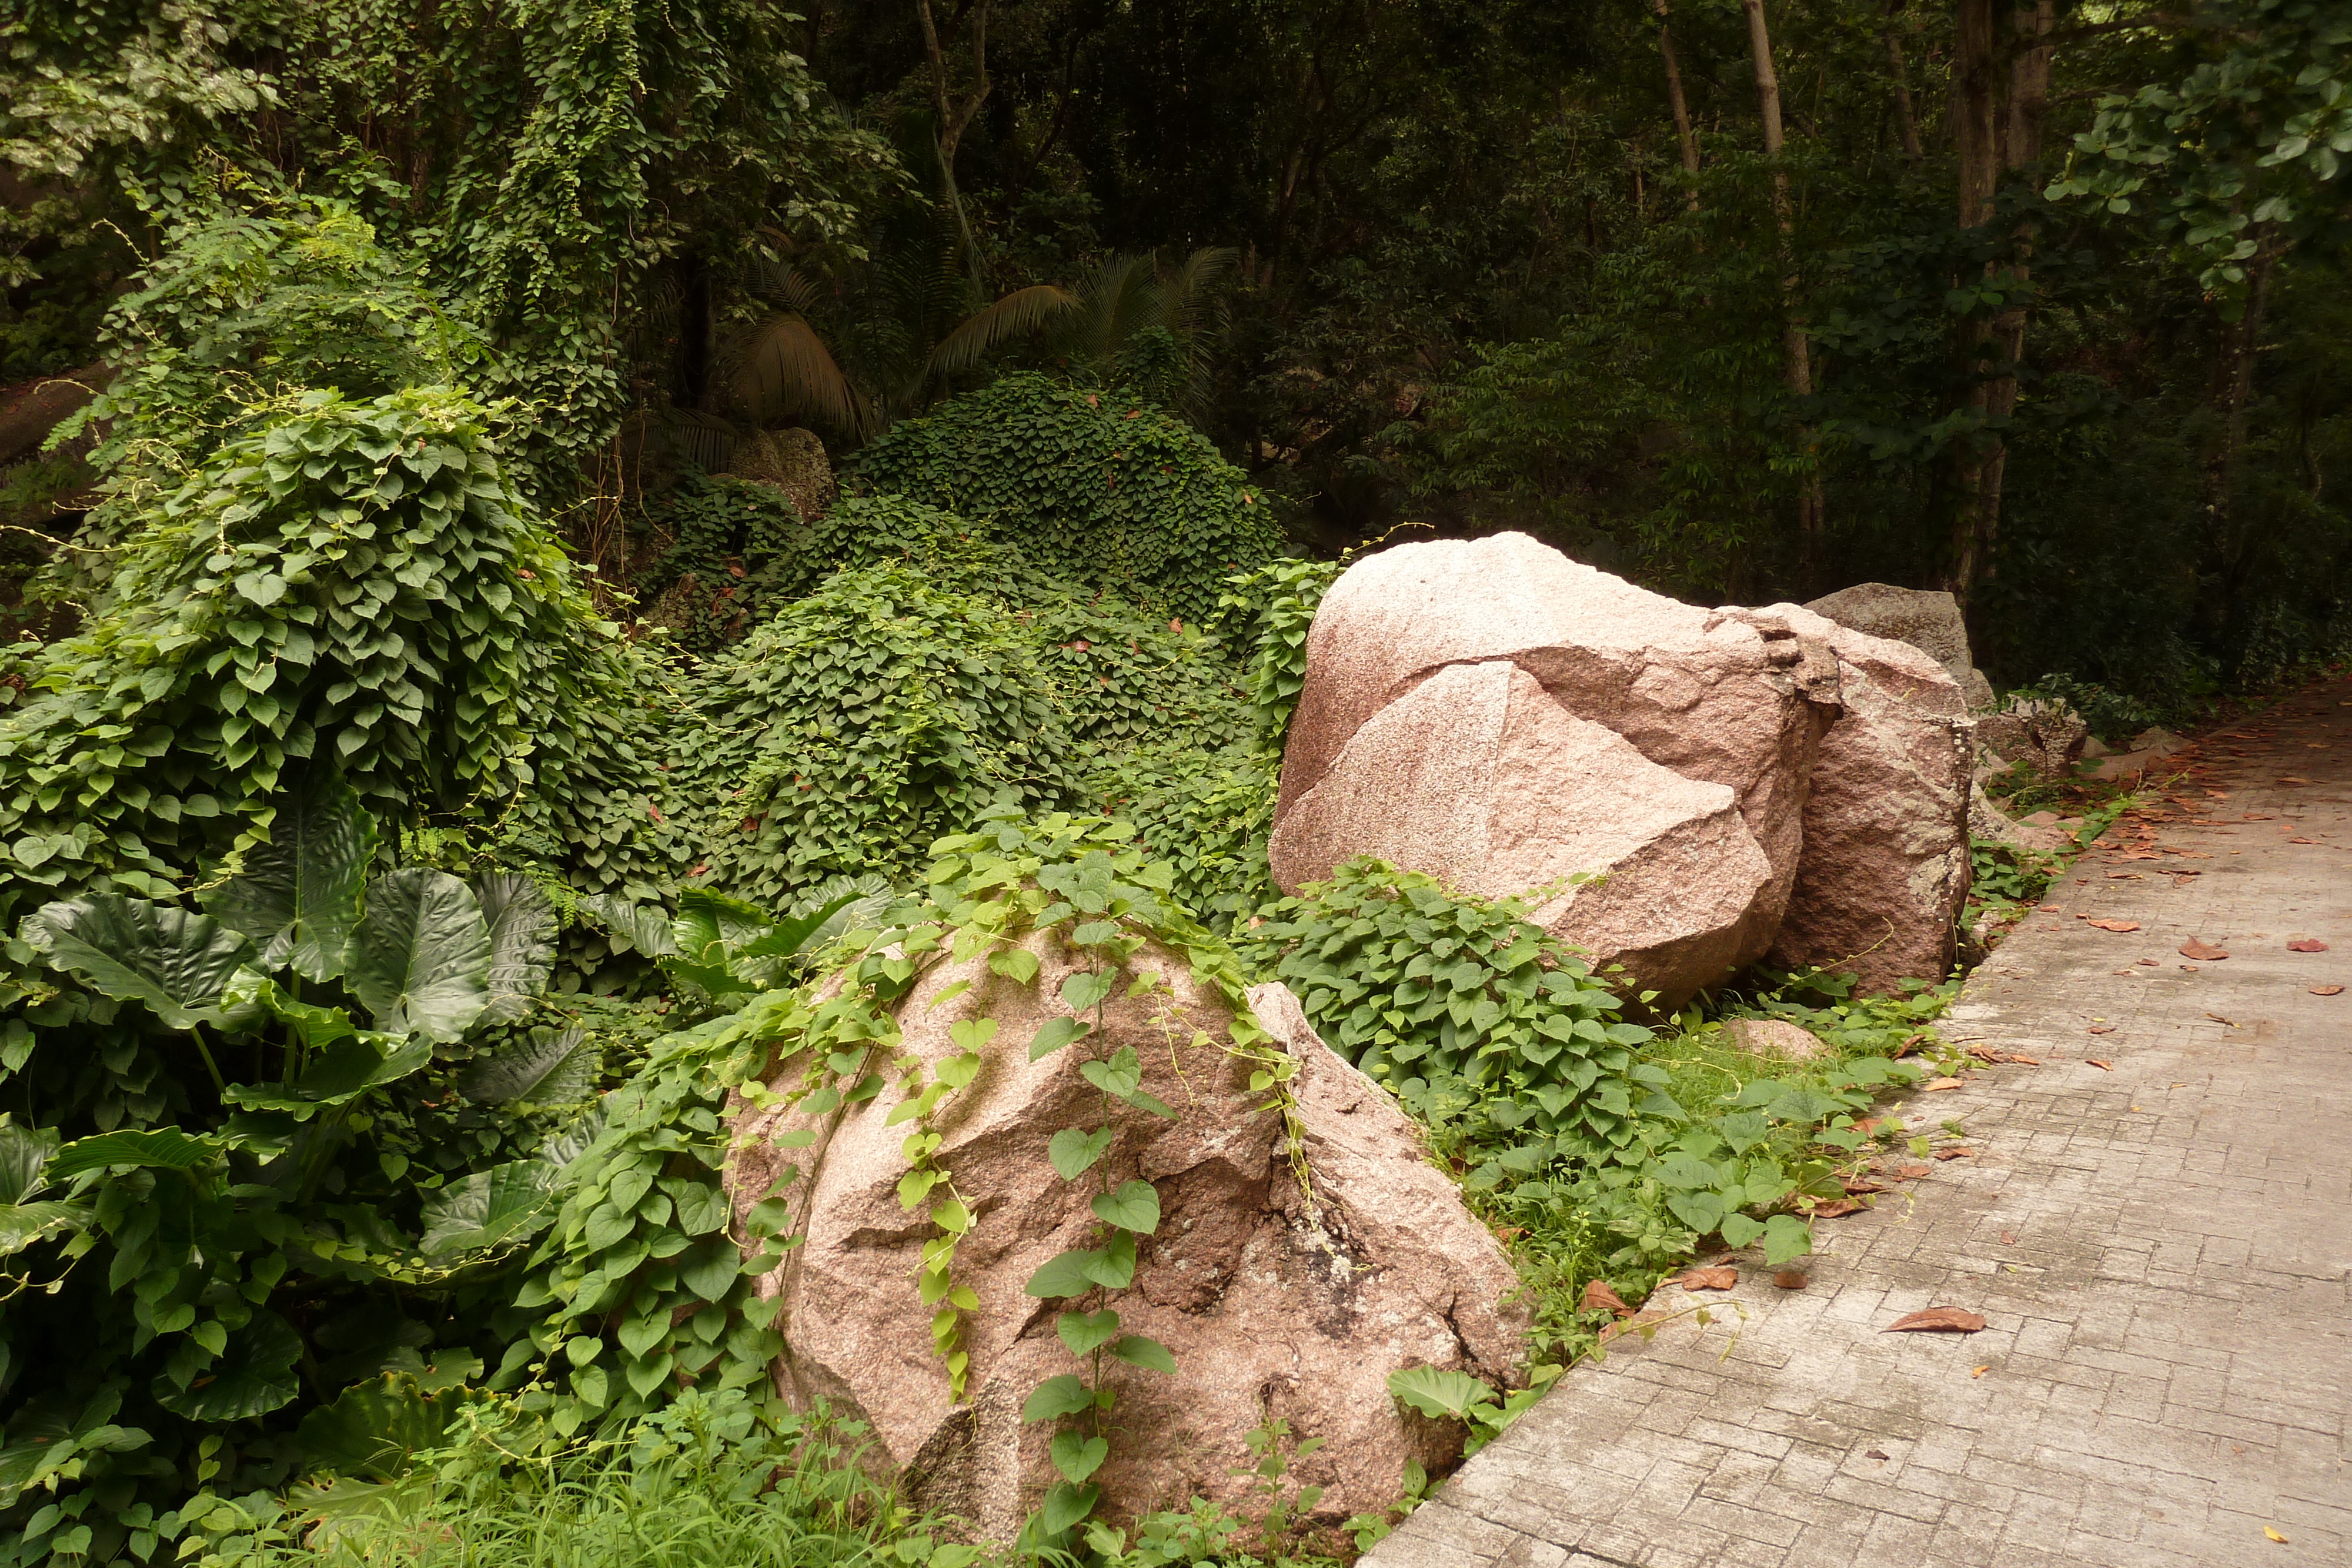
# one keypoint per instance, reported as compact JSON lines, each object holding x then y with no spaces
{"x":1020,"y":314}
{"x":788,"y":369}
{"x":1193,"y":305}
{"x":1120,"y":299}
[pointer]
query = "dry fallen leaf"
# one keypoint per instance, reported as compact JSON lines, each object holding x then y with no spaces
{"x":1874,"y":1454}
{"x":1718,"y":1279}
{"x":2203,"y":952}
{"x":2151,"y":962}
{"x":1860,"y":1185}
{"x":2217,"y":1018}
{"x":1597,"y":1294}
{"x":2007,"y":1239}
{"x":2303,"y":841}
{"x":2102,"y":1066}
{"x":1791,"y":1279}
{"x":2116,"y":925}
{"x":1979,"y":1371}
{"x":2307,"y":944}
{"x":2103,"y":1029}
{"x":1911,"y":1172}
{"x":1962,"y":1153}
{"x":2023,"y":1061}
{"x":1941,"y":1083}
{"x":2275,"y":1535}
{"x":1838,"y":1207}
{"x":2327,"y":990}
{"x":1936,"y":1320}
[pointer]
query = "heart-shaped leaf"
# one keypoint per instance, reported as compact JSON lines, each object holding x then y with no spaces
{"x":1061,"y":1275}
{"x":1111,"y":1265}
{"x":1078,"y":1456}
{"x":420,"y":959}
{"x":1065,"y":1505}
{"x":1084,"y":1332}
{"x":1135,"y":1205}
{"x":1053,"y":1035}
{"x":1082,"y":990}
{"x":1056,"y":1398}
{"x":1074,"y":1151}
{"x":1148,"y":1354}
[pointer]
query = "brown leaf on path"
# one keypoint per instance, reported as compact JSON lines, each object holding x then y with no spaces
{"x":2103,"y":1029}
{"x":2007,"y":1239}
{"x":2217,"y":1018}
{"x":1979,"y":1371}
{"x":2204,"y":952}
{"x":1791,"y":1279}
{"x":1941,"y":1083}
{"x":1838,"y":1207}
{"x":1936,"y":1320}
{"x":1860,"y":1185}
{"x":2050,"y":908}
{"x":1598,"y":1294}
{"x":2303,"y":841}
{"x":1911,"y":1172}
{"x":2275,"y":1535}
{"x":1959,"y":1153}
{"x":1716,"y":1279}
{"x":2116,"y":925}
{"x":2327,"y":990}
{"x":2102,"y":1066}
{"x":2307,"y":944}
{"x":2151,"y":962}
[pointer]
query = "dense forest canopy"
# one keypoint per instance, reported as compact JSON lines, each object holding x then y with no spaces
{"x":2042,"y":302}
{"x":531,"y":527}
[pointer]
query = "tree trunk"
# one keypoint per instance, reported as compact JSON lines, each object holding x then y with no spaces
{"x":1978,"y":155}
{"x":956,"y":115}
{"x":1676,"y":102}
{"x":2233,"y":386}
{"x":1795,"y":349}
{"x":1906,"y":120}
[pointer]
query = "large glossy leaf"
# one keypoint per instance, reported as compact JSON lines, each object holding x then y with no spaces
{"x":22,"y":1152}
{"x":420,"y":959}
{"x":345,"y":1071}
{"x":560,"y":1070}
{"x":254,"y":996}
{"x":298,"y":896}
{"x":254,"y":1378}
{"x":174,"y":961}
{"x":522,"y":928}
{"x":631,"y":925}
{"x":710,"y":925}
{"x":565,"y":1146}
{"x":505,"y":1204}
{"x":23,"y":1223}
{"x":151,"y":1148}
{"x":373,"y":1428}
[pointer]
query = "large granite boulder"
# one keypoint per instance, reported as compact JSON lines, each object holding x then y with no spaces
{"x":793,"y":460}
{"x":1732,"y":697}
{"x":1279,"y":1297}
{"x":1927,"y":620}
{"x":1478,"y":776}
{"x":1884,"y":870}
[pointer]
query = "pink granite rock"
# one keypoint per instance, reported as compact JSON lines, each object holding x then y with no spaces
{"x":1884,"y":868}
{"x":1479,"y":778}
{"x":1274,"y":1303}
{"x":1722,"y":696}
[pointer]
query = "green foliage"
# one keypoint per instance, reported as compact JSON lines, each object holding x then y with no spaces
{"x":1443,"y":997}
{"x":860,"y":724}
{"x":710,"y":1480}
{"x":352,"y":585}
{"x":1097,"y":486}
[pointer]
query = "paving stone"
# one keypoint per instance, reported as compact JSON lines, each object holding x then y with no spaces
{"x":2169,"y":1332}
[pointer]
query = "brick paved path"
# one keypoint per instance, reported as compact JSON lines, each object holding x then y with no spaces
{"x":2162,"y":1252}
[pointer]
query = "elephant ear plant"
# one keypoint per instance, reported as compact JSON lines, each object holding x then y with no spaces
{"x":258,"y":1156}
